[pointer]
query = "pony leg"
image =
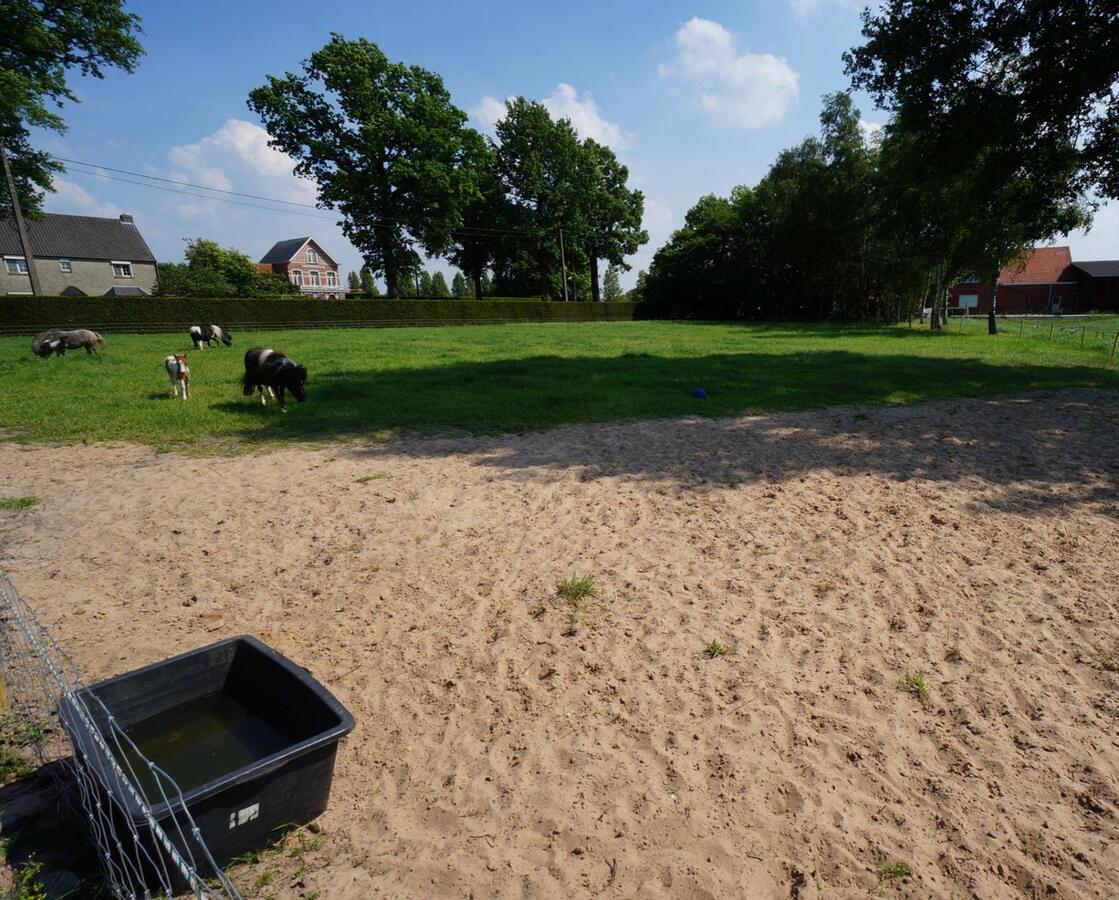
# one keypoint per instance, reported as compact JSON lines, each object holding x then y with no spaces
{"x":263,"y":395}
{"x":283,"y":404}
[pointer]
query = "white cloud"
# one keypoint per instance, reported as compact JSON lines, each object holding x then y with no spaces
{"x":872,"y":131}
{"x":564,"y":103}
{"x":239,"y":148}
{"x":488,"y":112}
{"x":746,"y":89}
{"x":72,"y":198}
{"x":585,"y":117}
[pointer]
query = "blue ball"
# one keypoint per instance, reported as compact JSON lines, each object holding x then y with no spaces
{"x":699,"y":394}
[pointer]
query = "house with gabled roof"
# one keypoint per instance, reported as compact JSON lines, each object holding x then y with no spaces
{"x":305,"y":264}
{"x":1045,"y":280}
{"x":78,"y":256}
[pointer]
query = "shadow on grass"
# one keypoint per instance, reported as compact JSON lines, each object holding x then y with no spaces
{"x":545,"y":391}
{"x":1003,"y":446}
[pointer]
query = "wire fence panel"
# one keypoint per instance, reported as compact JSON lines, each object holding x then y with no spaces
{"x":146,"y":841}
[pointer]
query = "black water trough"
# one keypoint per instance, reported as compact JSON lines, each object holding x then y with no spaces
{"x":248,"y":736}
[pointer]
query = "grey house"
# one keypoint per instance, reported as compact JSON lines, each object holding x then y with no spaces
{"x":78,"y":256}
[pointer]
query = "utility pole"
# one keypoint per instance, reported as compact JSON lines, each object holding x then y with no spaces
{"x":563,"y":263}
{"x":17,"y":214}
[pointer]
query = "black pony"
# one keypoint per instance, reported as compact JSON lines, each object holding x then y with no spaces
{"x":270,"y":372}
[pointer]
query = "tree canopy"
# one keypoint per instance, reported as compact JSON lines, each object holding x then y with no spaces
{"x":41,"y":42}
{"x":215,"y":271}
{"x":384,"y":144}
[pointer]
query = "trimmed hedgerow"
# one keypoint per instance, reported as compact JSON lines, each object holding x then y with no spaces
{"x":30,"y":314}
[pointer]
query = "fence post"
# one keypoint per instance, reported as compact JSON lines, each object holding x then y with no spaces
{"x":1083,"y":334}
{"x":1021,"y":327}
{"x":1113,"y":343}
{"x":1051,"y":330}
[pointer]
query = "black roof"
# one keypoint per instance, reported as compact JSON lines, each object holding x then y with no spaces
{"x":124,"y":290}
{"x":1100,"y":268}
{"x":77,"y":237}
{"x":282,"y":251}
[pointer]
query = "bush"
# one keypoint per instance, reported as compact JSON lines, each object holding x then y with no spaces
{"x":27,"y":315}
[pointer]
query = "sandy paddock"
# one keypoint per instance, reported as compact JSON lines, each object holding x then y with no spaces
{"x":508,"y":745}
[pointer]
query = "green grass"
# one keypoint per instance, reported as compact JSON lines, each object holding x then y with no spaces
{"x":371,"y":383}
{"x":714,"y":650}
{"x":17,"y":502}
{"x":914,"y":683}
{"x":577,"y":589}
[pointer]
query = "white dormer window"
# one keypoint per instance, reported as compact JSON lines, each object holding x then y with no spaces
{"x":314,"y":279}
{"x":64,"y":265}
{"x":331,"y":279}
{"x":121,"y":269}
{"x":297,"y":278}
{"x":312,"y":256}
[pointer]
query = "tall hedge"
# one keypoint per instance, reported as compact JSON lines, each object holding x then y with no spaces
{"x":23,"y":314}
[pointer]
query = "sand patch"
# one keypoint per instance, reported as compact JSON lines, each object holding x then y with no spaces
{"x":509,"y":743}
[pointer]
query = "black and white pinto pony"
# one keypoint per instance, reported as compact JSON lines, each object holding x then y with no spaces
{"x":270,"y":372}
{"x":179,"y":373}
{"x":47,"y":342}
{"x":205,"y":336}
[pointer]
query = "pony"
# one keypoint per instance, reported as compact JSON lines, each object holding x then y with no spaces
{"x":204,"y":336}
{"x":271,"y":371}
{"x":47,"y":342}
{"x":82,"y":337}
{"x":179,"y":374}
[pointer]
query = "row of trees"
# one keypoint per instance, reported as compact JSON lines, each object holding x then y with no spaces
{"x":393,"y":155}
{"x":427,"y":285}
{"x":1004,"y":131}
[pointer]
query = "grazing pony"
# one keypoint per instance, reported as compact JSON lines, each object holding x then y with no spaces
{"x":205,"y":336}
{"x":48,"y":342}
{"x":179,"y":374}
{"x":82,"y":337}
{"x":271,"y":371}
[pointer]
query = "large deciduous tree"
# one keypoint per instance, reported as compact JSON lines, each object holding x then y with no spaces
{"x":539,"y":166}
{"x":41,"y":41}
{"x":1015,"y":99}
{"x":610,"y":213}
{"x":384,"y":144}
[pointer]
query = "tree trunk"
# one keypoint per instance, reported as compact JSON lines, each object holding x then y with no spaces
{"x":992,"y":322}
{"x":596,"y":294}
{"x":392,"y":287}
{"x":934,"y":311}
{"x":477,"y":277}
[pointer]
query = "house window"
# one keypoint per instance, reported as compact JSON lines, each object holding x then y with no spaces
{"x":969,"y":301}
{"x":121,"y":269}
{"x":314,"y":279}
{"x":312,"y":256}
{"x":17,"y":265}
{"x":64,"y":265}
{"x":297,"y":277}
{"x":331,"y":279}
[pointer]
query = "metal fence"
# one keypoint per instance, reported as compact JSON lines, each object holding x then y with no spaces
{"x":1096,"y":334}
{"x":94,"y":765}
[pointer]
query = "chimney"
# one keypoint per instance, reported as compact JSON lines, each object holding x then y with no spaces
{"x":126,"y":219}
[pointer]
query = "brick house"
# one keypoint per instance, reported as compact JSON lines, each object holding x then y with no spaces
{"x":1045,"y":280}
{"x":78,"y":256}
{"x":304,"y":262}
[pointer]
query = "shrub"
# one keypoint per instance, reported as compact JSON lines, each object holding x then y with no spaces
{"x":27,"y":315}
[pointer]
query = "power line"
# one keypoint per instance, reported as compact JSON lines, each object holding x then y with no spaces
{"x":383,"y":221}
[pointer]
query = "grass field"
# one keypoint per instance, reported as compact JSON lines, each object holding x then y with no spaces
{"x":486,"y":379}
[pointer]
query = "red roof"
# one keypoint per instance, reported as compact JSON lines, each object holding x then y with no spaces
{"x":1042,"y":265}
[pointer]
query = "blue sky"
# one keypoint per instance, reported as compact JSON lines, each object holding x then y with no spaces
{"x":695,"y":97}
